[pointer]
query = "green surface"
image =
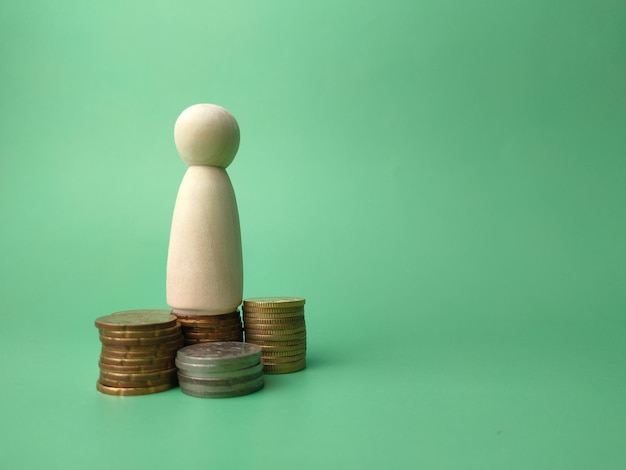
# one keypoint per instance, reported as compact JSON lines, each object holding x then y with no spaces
{"x":444,"y":181}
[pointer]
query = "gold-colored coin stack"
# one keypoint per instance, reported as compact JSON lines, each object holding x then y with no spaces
{"x":211,"y":328}
{"x":276,"y":324}
{"x":138,"y":352}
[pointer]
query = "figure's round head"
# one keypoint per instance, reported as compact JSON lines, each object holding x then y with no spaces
{"x":206,"y":134}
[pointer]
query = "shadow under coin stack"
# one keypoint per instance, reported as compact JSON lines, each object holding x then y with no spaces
{"x":276,"y":324}
{"x":220,"y":370}
{"x":138,"y":352}
{"x":211,"y":328}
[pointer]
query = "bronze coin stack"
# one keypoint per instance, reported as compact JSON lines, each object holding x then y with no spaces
{"x":276,"y":324}
{"x":210,"y":328}
{"x":138,"y":352}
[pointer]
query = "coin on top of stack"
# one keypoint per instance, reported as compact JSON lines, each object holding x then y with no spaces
{"x":276,"y":324}
{"x":220,"y":369}
{"x":210,"y":328}
{"x":138,"y":352}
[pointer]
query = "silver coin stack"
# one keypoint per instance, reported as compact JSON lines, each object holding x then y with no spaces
{"x":220,"y":369}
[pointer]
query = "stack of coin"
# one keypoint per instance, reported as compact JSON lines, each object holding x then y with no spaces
{"x":220,"y":370}
{"x":276,"y":324}
{"x":138,"y":352}
{"x":211,"y":328}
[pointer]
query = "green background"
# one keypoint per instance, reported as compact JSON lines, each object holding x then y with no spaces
{"x":444,"y":181}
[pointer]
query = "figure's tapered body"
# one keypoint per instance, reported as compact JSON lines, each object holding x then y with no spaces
{"x":204,"y":264}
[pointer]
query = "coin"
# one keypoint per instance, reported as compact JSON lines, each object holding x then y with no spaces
{"x":238,"y":337}
{"x":219,"y":339}
{"x":135,"y":369}
{"x":220,"y":369}
{"x":270,"y":353}
{"x":221,"y":382}
{"x":273,"y":318}
{"x":225,"y":355}
{"x":274,"y":302}
{"x":275,"y":331}
{"x":210,"y":320}
{"x":217,"y":326}
{"x":132,"y":384}
{"x":105,"y":380}
{"x":146,"y":319}
{"x":164,"y":361}
{"x":285,"y":313}
{"x":286,"y":368}
{"x":158,"y":333}
{"x":139,"y":376}
{"x":279,"y":346}
{"x":211,"y":329}
{"x":287,"y":322}
{"x":287,"y":339}
{"x":274,"y":311}
{"x":182,"y":316}
{"x":203,"y":371}
{"x":113,"y":341}
{"x":200,"y":392}
{"x":129,"y":391}
{"x":266,"y":335}
{"x":143,"y":351}
{"x":211,"y":326}
{"x":270,"y":360}
{"x":211,"y":334}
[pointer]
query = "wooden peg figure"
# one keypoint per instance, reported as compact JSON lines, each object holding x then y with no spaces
{"x":204,"y":263}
